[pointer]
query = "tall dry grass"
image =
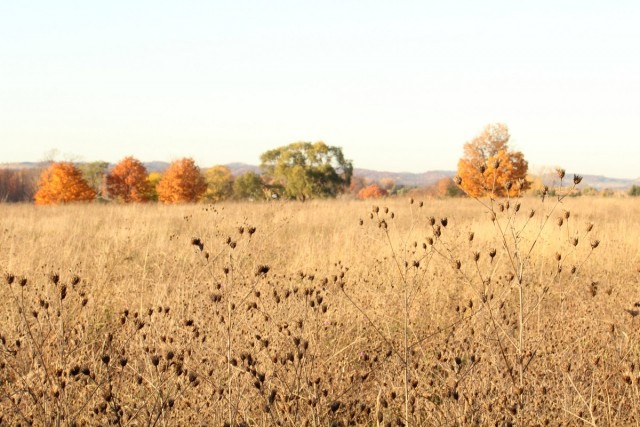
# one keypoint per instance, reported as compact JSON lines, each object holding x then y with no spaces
{"x":320,"y":313}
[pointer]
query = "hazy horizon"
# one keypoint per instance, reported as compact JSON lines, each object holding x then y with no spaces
{"x":399,"y":86}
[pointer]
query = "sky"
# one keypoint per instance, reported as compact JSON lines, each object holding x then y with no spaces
{"x":399,"y":85}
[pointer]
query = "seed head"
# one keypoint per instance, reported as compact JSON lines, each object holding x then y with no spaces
{"x":577,"y":179}
{"x":471,"y":236}
{"x":9,"y":278}
{"x":483,"y":168}
{"x":262,"y":270}
{"x":444,"y":221}
{"x":251,"y":230}
{"x":508,"y":185}
{"x":594,"y":244}
{"x":55,"y":278}
{"x":561,"y":173}
{"x":560,"y":221}
{"x":198,"y":243}
{"x":457,"y":180}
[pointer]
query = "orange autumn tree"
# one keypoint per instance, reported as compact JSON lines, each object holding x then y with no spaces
{"x":372,"y":192}
{"x":182,"y":183}
{"x":127,"y":181}
{"x":62,"y":182}
{"x":489,"y":167}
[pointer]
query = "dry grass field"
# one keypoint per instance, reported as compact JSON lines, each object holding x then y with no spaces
{"x":321,"y":313}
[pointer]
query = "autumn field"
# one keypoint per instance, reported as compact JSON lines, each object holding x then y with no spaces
{"x":392,"y":312}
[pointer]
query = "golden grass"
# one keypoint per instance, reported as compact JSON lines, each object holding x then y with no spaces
{"x":351,"y":324}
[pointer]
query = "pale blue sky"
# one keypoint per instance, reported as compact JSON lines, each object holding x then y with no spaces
{"x":400,"y":85}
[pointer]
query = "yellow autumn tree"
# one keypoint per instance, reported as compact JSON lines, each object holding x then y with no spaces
{"x":489,"y":167}
{"x":62,"y":182}
{"x":182,"y":183}
{"x":219,"y":183}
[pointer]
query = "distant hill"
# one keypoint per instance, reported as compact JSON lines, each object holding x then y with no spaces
{"x":409,"y":179}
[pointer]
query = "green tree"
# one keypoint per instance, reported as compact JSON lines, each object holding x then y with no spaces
{"x":634,"y":191}
{"x":306,"y":169}
{"x":94,"y":173}
{"x":219,"y":183}
{"x":248,"y":186}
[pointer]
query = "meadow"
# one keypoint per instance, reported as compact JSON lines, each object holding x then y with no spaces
{"x":393,"y":312}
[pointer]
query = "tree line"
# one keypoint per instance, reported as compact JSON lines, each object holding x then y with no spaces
{"x":298,"y":171}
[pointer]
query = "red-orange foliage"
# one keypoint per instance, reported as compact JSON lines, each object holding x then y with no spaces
{"x":182,"y":183}
{"x":62,"y":182}
{"x":489,"y":167}
{"x":127,"y":181}
{"x":371,"y":192}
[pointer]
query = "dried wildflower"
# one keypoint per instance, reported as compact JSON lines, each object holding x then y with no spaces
{"x":577,"y":179}
{"x":105,"y":359}
{"x":457,"y":180}
{"x":241,"y":230}
{"x":476,"y":256}
{"x":23,"y":282}
{"x":262,"y":270}
{"x":508,"y":185}
{"x":561,"y":173}
{"x":198,"y":243}
{"x":492,"y":253}
{"x":432,"y":221}
{"x":574,"y":241}
{"x":470,"y":236}
{"x":155,"y":360}
{"x":9,"y":278}
{"x":594,"y":244}
{"x":55,"y":278}
{"x":251,"y":230}
{"x":567,"y":214}
{"x":560,"y":221}
{"x":444,"y":221}
{"x":589,"y":227}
